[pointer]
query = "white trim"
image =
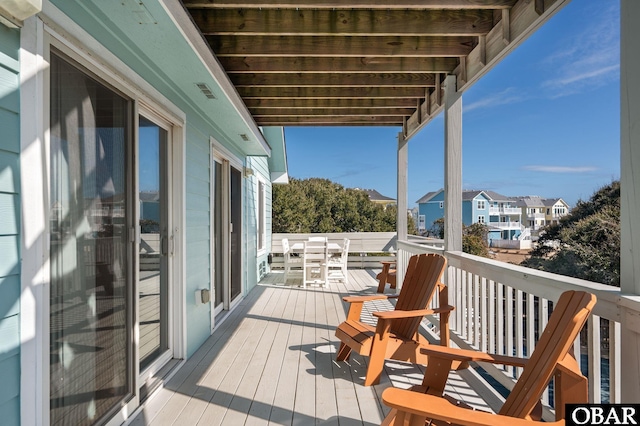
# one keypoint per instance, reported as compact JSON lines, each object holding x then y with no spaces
{"x":228,"y":160}
{"x":104,"y":63}
{"x":261,"y":251}
{"x":34,"y":324}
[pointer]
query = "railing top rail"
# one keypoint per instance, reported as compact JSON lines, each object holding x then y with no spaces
{"x":543,"y":284}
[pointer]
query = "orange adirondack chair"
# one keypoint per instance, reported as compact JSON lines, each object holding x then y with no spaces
{"x":396,"y":335}
{"x":387,"y":275}
{"x":552,"y":356}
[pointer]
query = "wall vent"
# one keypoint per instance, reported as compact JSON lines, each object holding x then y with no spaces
{"x":206,"y":90}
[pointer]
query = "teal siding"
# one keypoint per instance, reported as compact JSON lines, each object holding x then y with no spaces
{"x":198,"y":203}
{"x":256,"y":264}
{"x":9,"y":227}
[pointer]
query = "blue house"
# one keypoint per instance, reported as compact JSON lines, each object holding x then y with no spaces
{"x":496,"y":211}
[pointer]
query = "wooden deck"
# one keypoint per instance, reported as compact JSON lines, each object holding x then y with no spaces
{"x":271,"y":361}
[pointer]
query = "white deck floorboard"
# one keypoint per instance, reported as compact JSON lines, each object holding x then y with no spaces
{"x":271,"y":362}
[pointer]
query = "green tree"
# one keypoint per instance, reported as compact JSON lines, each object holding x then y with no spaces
{"x":586,"y":242}
{"x":474,"y":237}
{"x":319,"y":205}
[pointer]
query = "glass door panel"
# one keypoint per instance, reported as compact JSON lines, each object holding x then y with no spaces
{"x":236,"y":232}
{"x":153,"y":285}
{"x":90,"y":212}
{"x":218,"y":236}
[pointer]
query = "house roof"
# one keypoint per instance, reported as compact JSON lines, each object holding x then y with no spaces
{"x":362,"y":62}
{"x":375,"y":196}
{"x":428,"y":196}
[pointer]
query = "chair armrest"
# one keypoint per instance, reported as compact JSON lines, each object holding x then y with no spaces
{"x":437,"y":408}
{"x":356,"y":299}
{"x":410,"y":314}
{"x":465,"y":355}
{"x":388,"y":262}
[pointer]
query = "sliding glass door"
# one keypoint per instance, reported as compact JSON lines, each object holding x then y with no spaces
{"x":111,"y":247}
{"x":227,"y":233}
{"x":91,"y":279}
{"x":155,"y":244}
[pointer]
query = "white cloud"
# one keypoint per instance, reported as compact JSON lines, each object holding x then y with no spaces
{"x":560,"y":169}
{"x":508,"y":96}
{"x":590,"y":61}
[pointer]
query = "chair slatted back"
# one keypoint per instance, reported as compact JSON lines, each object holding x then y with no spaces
{"x":420,"y":282}
{"x":315,"y":252}
{"x":569,"y":315}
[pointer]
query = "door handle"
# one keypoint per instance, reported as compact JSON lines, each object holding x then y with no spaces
{"x":164,"y":245}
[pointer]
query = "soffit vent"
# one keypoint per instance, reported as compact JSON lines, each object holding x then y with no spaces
{"x":244,"y":137}
{"x":206,"y":90}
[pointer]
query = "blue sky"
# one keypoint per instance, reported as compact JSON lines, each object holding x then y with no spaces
{"x":545,"y":121}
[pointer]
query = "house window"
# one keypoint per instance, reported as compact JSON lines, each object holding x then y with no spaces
{"x":441,"y":204}
{"x":481,"y":205}
{"x":481,"y":219}
{"x":262,"y":234}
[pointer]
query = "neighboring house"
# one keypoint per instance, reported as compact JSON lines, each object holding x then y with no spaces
{"x":496,"y":211}
{"x":378,"y":198}
{"x":555,"y":208}
{"x":538,"y":212}
{"x":121,"y":137}
{"x":533,"y":211}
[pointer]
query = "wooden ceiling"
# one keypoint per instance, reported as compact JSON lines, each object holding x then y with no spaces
{"x":357,"y":62}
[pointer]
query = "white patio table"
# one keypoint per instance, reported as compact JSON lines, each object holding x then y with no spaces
{"x":299,"y":247}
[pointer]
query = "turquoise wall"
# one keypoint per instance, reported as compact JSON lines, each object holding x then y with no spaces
{"x":9,"y":227}
{"x":256,"y":262}
{"x":198,"y":203}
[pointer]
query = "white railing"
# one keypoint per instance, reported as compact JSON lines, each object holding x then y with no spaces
{"x":494,"y":211}
{"x":366,"y":249}
{"x":489,"y":295}
{"x":504,"y":225}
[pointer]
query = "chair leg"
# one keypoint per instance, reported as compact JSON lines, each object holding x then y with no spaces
{"x":344,"y":352}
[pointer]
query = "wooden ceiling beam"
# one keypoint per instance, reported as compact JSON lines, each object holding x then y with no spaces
{"x":343,"y":22}
{"x":330,"y":121}
{"x":268,"y":112}
{"x":288,"y":103}
{"x":331,"y":92}
{"x":252,"y":64}
{"x":333,"y":80}
{"x":352,"y":4}
{"x":325,"y":46}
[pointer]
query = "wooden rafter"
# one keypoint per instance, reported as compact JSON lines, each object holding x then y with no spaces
{"x":328,"y":103}
{"x":362,"y":62}
{"x":326,"y":46}
{"x":344,"y":22}
{"x":359,"y":4}
{"x":330,"y":92}
{"x":333,"y":80}
{"x":253,"y":64}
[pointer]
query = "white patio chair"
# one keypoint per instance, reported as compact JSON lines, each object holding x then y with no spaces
{"x":314,"y":260}
{"x":337,"y":267}
{"x":290,"y":262}
{"x":317,"y":238}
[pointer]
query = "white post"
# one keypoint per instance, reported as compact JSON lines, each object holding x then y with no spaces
{"x":401,"y":221}
{"x":403,"y":187}
{"x":629,"y":200}
{"x":452,"y":165}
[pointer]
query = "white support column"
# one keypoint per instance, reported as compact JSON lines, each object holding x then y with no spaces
{"x":630,"y":199}
{"x":452,"y":165}
{"x":403,"y":187}
{"x":401,"y":220}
